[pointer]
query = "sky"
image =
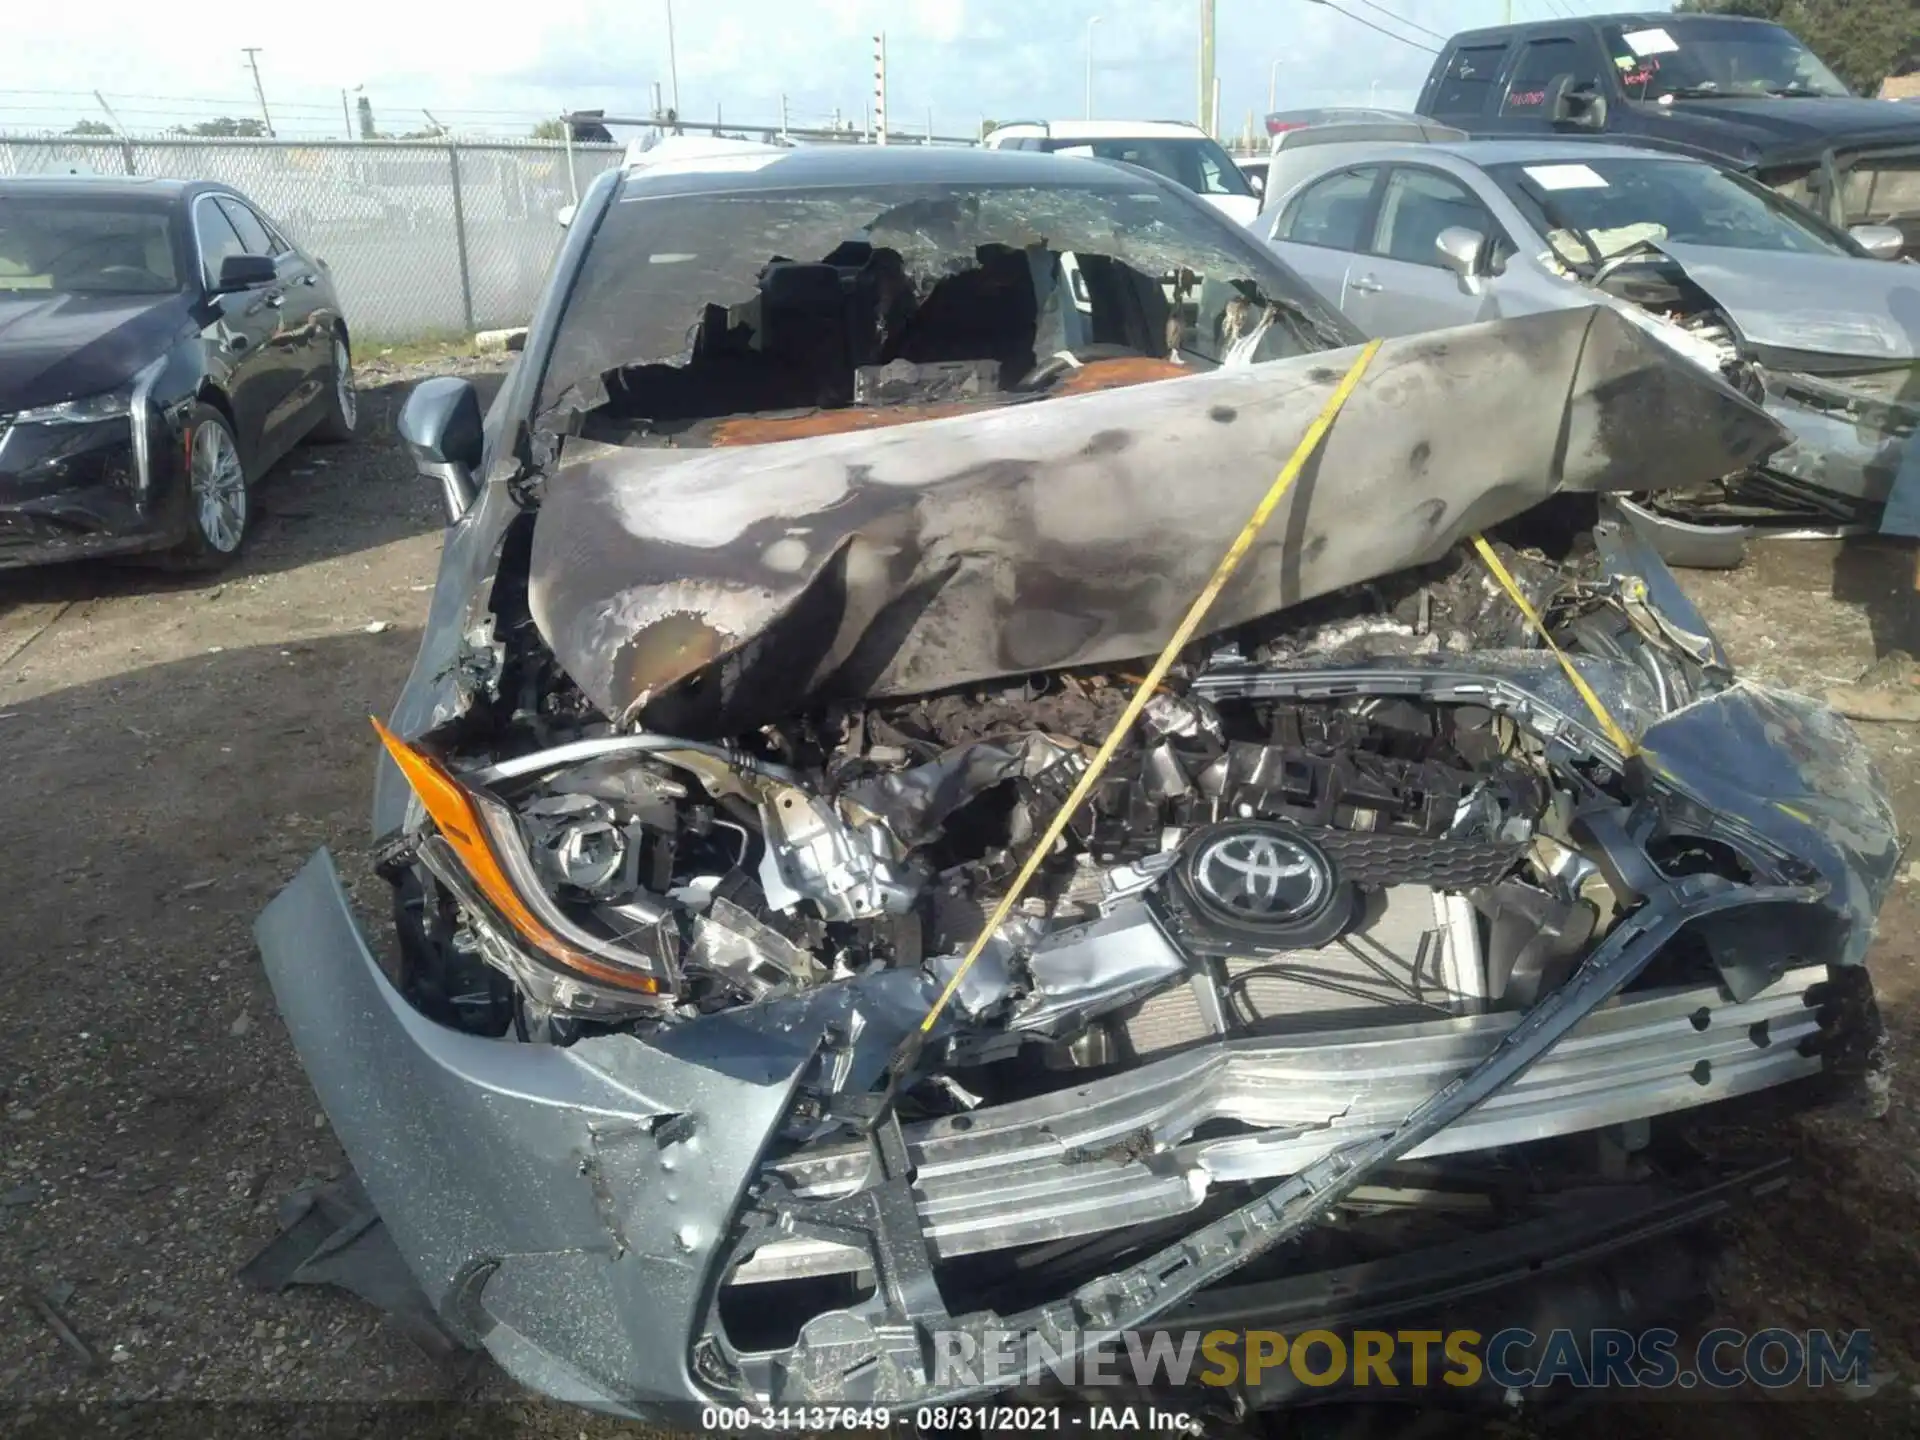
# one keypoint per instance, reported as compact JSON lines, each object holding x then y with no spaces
{"x":956,"y":61}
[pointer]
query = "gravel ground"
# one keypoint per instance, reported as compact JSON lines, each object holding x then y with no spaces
{"x":177,"y":746}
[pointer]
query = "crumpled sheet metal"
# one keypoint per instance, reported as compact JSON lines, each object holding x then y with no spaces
{"x":716,"y":592}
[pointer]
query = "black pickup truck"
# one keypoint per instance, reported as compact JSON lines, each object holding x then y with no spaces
{"x":1743,"y":91}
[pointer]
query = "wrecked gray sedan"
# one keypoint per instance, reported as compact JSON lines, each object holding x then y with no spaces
{"x":839,"y":503}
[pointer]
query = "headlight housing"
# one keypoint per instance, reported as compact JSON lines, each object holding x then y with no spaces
{"x":115,"y":404}
{"x":479,"y":854}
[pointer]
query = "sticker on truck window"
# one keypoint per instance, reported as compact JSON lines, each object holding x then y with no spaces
{"x":1650,"y":42}
{"x":1566,"y":177}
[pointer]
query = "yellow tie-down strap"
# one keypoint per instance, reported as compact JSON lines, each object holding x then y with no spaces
{"x":1608,"y":725}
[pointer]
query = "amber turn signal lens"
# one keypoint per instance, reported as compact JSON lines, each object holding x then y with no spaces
{"x":454,"y":811}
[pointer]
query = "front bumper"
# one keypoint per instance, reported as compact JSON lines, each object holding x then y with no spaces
{"x":572,"y":1209}
{"x":69,"y":492}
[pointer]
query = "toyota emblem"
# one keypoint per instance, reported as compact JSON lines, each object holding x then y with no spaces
{"x":1260,"y":872}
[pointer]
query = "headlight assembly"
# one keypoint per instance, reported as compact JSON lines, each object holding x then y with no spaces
{"x":88,"y":410}
{"x":480,"y":854}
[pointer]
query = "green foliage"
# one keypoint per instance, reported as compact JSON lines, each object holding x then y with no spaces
{"x":555,"y":129}
{"x":1862,"y":41}
{"x":90,"y":127}
{"x":225,"y":127}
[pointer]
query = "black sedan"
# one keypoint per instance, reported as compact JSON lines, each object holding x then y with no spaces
{"x":162,"y":343}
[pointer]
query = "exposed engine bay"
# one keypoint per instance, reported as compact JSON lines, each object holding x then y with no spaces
{"x":874,"y":836}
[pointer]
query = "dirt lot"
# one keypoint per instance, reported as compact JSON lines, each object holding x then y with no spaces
{"x":175,"y":748}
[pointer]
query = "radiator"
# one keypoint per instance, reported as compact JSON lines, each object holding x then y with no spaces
{"x":1416,"y":957}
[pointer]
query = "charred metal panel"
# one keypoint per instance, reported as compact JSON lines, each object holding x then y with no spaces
{"x":712,"y":593}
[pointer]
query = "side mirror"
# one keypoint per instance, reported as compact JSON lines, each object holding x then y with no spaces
{"x":441,"y":428}
{"x":1257,"y":183}
{"x":564,"y":215}
{"x":245,"y":272}
{"x":1460,"y":250}
{"x":1576,"y":104}
{"x":1882,"y":242}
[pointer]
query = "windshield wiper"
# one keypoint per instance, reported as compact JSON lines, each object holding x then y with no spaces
{"x":1799,"y":90}
{"x":1708,"y":91}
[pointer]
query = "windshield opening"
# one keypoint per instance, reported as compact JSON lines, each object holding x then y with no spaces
{"x":1689,"y":57}
{"x":1197,"y":164}
{"x":708,"y":306}
{"x":1597,"y":208}
{"x":76,"y":245}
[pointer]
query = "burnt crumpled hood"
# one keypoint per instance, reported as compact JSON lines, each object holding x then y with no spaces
{"x":706,"y":593}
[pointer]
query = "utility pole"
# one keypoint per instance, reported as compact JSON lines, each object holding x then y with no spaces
{"x":673,"y":63}
{"x":880,"y":87}
{"x":1273,"y":80}
{"x":113,"y":118}
{"x":252,"y":53}
{"x":1206,"y":65}
{"x":783,"y":114}
{"x":346,"y":112}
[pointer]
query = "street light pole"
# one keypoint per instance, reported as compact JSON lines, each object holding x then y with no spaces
{"x":673,"y":64}
{"x":1273,"y":72}
{"x":1093,"y":21}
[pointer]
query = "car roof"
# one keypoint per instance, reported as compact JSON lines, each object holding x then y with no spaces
{"x":80,"y":186}
{"x":825,"y":166}
{"x":1491,"y":152}
{"x":1509,"y":152}
{"x":1486,"y":34}
{"x":1106,"y":129}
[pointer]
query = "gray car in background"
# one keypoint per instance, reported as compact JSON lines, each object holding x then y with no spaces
{"x":1409,"y":234}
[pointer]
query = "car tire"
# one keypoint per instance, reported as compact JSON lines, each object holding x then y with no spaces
{"x":342,"y":418}
{"x":219,"y":494}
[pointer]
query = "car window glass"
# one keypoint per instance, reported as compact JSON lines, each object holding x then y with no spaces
{"x":1468,"y":82}
{"x":1539,"y":63}
{"x":1606,"y":205}
{"x":1879,"y":191}
{"x":1697,"y":56}
{"x":252,"y":233}
{"x":89,"y":245}
{"x":1197,"y":164}
{"x":218,"y":239}
{"x":1329,"y":212}
{"x":1418,"y":205}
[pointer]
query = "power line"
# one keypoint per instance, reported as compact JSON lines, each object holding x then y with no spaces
{"x":1403,"y":20}
{"x":1378,"y":30}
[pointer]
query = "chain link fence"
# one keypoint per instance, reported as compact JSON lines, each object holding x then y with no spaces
{"x":424,"y":238}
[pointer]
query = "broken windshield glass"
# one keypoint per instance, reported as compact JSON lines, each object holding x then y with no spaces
{"x":662,"y":268}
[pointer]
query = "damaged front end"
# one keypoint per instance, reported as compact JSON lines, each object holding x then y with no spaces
{"x":1841,"y":373}
{"x":1399,"y":924}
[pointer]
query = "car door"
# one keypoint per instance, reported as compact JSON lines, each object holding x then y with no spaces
{"x":1318,"y":230}
{"x":1400,"y":284}
{"x":240,"y":332}
{"x":297,"y":384}
{"x":1549,"y":63}
{"x":305,"y":315}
